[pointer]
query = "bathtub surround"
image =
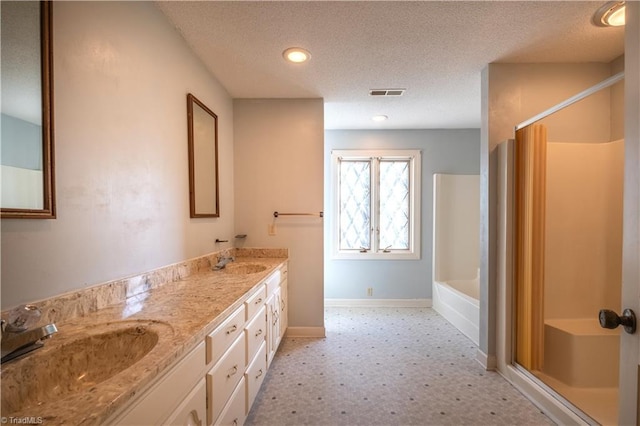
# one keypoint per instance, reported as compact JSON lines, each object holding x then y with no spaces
{"x":181,"y":312}
{"x":456,"y":230}
{"x":590,"y":217}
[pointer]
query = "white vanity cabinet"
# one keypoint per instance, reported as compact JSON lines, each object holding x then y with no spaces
{"x":217,"y":382}
{"x":284,"y":299}
{"x":277,"y":318}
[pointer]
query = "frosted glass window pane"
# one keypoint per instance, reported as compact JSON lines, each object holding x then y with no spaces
{"x":394,"y":205}
{"x":355,"y":204}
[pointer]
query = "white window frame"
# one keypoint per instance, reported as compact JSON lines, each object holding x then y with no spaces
{"x":378,"y":253}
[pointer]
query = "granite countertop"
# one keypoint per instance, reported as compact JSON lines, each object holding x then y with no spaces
{"x":181,"y":313}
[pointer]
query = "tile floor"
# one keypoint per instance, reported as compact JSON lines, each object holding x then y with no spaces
{"x":386,"y":366}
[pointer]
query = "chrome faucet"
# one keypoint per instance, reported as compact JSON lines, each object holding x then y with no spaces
{"x":222,"y":262}
{"x":17,"y":339}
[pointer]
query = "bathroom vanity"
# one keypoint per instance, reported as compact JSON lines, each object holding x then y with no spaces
{"x":234,"y":358}
{"x":211,"y":336}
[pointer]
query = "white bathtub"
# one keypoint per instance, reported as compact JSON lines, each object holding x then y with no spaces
{"x":580,"y":353}
{"x":458,"y":302}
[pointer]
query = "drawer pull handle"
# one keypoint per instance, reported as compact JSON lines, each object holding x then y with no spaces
{"x":232,"y":329}
{"x":259,"y":374}
{"x":235,"y":422}
{"x":233,"y":371}
{"x":257,"y":302}
{"x":259,"y":332}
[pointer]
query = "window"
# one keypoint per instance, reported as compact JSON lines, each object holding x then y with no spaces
{"x":376,"y":204}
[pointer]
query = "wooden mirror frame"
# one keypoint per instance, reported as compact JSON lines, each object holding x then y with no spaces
{"x":199,"y":150}
{"x":46,"y":73}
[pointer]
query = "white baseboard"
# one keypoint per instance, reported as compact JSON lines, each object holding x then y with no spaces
{"x":489,"y":362}
{"x":305,"y":332}
{"x":377,"y":303}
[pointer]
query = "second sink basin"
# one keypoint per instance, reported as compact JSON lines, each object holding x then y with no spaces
{"x":77,"y":365}
{"x":244,"y":268}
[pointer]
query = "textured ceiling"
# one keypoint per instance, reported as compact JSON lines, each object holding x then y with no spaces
{"x":436,"y":50}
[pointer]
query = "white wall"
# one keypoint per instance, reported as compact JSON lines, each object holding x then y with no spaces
{"x":121,"y":76}
{"x":278,"y":167}
{"x":443,"y":151}
{"x":456,"y":223}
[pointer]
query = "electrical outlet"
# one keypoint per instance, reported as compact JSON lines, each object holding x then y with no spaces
{"x":271,"y":229}
{"x":370,"y":291}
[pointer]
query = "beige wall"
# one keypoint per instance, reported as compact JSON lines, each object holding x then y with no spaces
{"x":121,"y":78}
{"x":583,"y":229}
{"x":279,"y":167}
{"x":617,"y":102}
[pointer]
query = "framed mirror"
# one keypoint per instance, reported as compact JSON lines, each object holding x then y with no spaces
{"x":26,"y":144}
{"x":202,"y":126}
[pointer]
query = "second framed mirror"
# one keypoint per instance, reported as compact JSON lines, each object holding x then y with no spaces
{"x":203,"y":159}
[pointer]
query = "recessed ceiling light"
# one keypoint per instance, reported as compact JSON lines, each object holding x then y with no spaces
{"x":296,"y":55}
{"x":611,"y":14}
{"x":379,"y":118}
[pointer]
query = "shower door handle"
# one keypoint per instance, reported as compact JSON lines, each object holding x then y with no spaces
{"x":609,"y":319}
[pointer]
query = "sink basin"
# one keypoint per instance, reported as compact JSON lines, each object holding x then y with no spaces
{"x":77,"y":365}
{"x":244,"y":268}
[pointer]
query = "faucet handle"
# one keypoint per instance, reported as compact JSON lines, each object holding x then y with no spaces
{"x":22,"y":318}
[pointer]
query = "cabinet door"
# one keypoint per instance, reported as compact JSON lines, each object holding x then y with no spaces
{"x":193,"y":410}
{"x":276,"y":322}
{"x":270,"y":319}
{"x":156,"y":404}
{"x":284,"y":309}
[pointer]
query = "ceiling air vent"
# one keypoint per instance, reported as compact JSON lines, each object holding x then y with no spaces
{"x":386,"y":92}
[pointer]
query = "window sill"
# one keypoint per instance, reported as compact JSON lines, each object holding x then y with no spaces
{"x":375,"y":256}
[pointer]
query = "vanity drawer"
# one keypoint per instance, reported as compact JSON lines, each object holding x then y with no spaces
{"x":225,"y":334}
{"x":284,"y":271}
{"x":255,"y":302}
{"x":225,"y":375}
{"x":233,"y":413}
{"x":255,"y":375}
{"x":256,"y":332}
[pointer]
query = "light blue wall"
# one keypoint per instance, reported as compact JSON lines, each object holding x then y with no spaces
{"x":21,"y":143}
{"x":443,"y":151}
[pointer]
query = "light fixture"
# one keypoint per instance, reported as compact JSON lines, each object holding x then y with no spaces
{"x":296,"y":55}
{"x":611,"y":14}
{"x":379,"y":117}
